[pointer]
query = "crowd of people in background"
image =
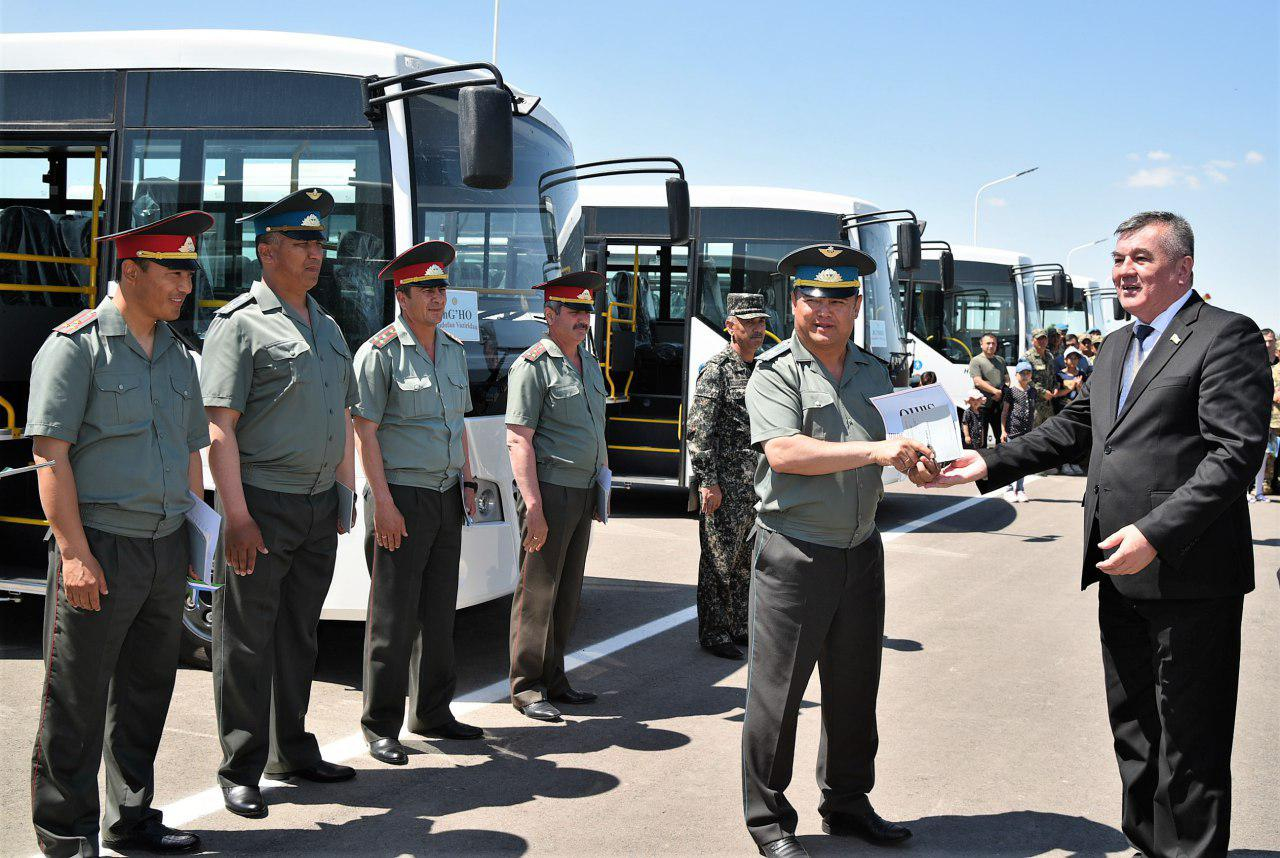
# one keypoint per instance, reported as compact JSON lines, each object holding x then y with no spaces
{"x":1051,"y":374}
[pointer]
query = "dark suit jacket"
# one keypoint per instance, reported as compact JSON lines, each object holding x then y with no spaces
{"x":1176,"y":461}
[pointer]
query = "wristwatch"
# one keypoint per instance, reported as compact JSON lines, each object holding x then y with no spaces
{"x":471,"y":484}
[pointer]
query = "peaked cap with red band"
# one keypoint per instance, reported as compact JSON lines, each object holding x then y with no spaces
{"x":170,"y":242}
{"x":576,"y":289}
{"x":421,"y":265}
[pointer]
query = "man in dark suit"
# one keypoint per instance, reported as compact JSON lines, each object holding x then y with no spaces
{"x":1174,"y":421}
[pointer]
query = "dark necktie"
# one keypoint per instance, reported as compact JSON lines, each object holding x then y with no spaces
{"x":1140,"y":333}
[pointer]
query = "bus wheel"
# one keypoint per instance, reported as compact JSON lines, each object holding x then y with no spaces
{"x":197,"y":630}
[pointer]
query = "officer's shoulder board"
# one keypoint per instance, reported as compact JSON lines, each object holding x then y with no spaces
{"x":241,"y":300}
{"x":78,"y":321}
{"x":873,"y":355}
{"x":451,"y":336}
{"x":383,"y":336}
{"x":535,"y":351}
{"x":782,"y":348}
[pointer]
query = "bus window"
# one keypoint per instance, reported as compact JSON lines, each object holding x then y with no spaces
{"x":984,"y":300}
{"x":234,"y":173}
{"x":63,"y":96}
{"x":498,"y":235}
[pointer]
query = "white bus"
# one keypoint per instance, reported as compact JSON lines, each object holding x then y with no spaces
{"x":101,"y":132}
{"x":1101,"y":306}
{"x":993,"y":291}
{"x":665,"y":307}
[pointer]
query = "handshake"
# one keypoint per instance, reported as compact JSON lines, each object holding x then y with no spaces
{"x":918,"y":462}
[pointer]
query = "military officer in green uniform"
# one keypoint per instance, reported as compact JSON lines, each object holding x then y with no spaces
{"x":724,"y":467}
{"x":414,"y":392}
{"x":1044,"y":374}
{"x":555,"y":434}
{"x":277,"y":380}
{"x":115,"y":405}
{"x":817,"y":588}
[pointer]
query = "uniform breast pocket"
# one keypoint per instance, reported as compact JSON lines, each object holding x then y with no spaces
{"x":283,"y":362}
{"x":181,"y":400}
{"x":456,"y":391}
{"x":344,"y":366}
{"x":819,"y":410}
{"x":565,"y":399}
{"x":120,"y":399}
{"x":418,"y":397}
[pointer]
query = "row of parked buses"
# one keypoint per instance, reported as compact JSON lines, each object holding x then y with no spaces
{"x":101,"y":132}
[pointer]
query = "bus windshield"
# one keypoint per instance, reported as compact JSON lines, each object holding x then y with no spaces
{"x":498,"y":234}
{"x":985,"y":299}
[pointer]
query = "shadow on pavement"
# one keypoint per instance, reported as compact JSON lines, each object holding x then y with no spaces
{"x":1014,"y":834}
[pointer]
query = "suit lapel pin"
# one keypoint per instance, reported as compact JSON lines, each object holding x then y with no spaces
{"x":1175,"y":339}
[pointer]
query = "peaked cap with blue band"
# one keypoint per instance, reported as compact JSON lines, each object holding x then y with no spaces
{"x":827,"y":270}
{"x":299,"y":216}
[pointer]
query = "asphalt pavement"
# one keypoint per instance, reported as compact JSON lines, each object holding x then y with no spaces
{"x":993,"y":732}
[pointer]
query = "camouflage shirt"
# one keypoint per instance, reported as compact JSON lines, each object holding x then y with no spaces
{"x":719,"y":430}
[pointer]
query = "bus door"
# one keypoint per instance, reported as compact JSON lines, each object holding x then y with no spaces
{"x":641,"y":336}
{"x":52,"y":210}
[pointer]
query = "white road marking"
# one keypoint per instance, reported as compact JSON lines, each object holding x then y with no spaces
{"x":201,"y":804}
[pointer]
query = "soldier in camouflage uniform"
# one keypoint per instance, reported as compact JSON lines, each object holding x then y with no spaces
{"x":724,"y":466}
{"x":1044,"y":374}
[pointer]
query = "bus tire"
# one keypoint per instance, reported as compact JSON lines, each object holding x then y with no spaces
{"x":197,"y":631}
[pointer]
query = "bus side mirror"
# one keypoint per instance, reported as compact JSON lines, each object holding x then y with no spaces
{"x":947,"y":264}
{"x":678,"y":209}
{"x":908,"y":246}
{"x":1118,"y":312}
{"x":1061,"y":285}
{"x":550,"y":240}
{"x":485,"y":137}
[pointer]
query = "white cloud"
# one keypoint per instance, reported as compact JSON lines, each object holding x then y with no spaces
{"x":1214,"y":173}
{"x":1158,"y":155}
{"x":1154,"y":177}
{"x":997,"y":202}
{"x":1253,"y":157}
{"x":1193,"y":182}
{"x":1220,"y":165}
{"x":1134,"y":156}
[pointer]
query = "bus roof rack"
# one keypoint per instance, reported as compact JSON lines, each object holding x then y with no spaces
{"x":376,"y":96}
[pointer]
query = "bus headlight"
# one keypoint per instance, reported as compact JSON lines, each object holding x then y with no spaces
{"x":488,"y":502}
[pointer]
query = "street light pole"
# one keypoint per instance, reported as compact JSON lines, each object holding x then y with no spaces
{"x":496,"y":6}
{"x":983,"y":188}
{"x":1081,"y":247}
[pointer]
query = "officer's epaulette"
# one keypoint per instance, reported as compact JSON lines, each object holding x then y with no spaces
{"x":777,"y":351}
{"x":872,"y":355}
{"x":383,"y":336}
{"x":450,"y":336}
{"x":534,"y":352}
{"x":76,"y":322}
{"x":235,"y":303}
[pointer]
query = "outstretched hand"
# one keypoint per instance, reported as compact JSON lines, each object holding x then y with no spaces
{"x":967,"y":469}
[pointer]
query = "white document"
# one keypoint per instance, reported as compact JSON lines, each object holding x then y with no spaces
{"x":924,"y":414}
{"x":604,"y":485}
{"x":203,"y":526}
{"x":346,"y":506}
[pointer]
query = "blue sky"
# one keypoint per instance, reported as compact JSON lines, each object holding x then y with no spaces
{"x":1123,"y":106}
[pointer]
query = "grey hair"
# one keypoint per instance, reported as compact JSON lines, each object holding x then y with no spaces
{"x":1179,"y":240}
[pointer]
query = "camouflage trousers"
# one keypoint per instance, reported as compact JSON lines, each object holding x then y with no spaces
{"x":724,"y":570}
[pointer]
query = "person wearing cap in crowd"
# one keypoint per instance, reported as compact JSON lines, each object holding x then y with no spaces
{"x":724,"y":467}
{"x":1017,"y":418}
{"x":115,"y":405}
{"x":278,"y":383}
{"x":817,"y":585}
{"x":1055,"y":340}
{"x":412,"y":441}
{"x":555,"y":435}
{"x":1044,"y":373}
{"x":973,"y":423}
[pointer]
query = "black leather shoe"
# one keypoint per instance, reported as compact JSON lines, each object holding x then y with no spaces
{"x":388,"y":751}
{"x":321,"y":773}
{"x":154,"y":836}
{"x":574,"y":698}
{"x":869,"y":826}
{"x":725,"y":650}
{"x":244,"y":801}
{"x":787,"y":847}
{"x":541,"y":711}
{"x":454,"y":730}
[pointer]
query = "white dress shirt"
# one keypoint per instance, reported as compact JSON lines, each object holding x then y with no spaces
{"x":1138,"y":351}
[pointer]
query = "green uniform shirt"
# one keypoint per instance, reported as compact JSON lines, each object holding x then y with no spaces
{"x":291,"y":383}
{"x":565,"y":410}
{"x":791,"y":393}
{"x":1044,"y":375}
{"x":417,"y":403}
{"x":132,"y":421}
